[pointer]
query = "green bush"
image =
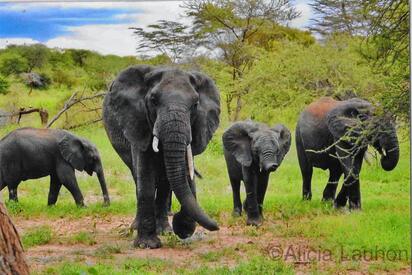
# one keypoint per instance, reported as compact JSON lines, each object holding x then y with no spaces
{"x":4,"y":85}
{"x":64,"y":78}
{"x":13,"y":64}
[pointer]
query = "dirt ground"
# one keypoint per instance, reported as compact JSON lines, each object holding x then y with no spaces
{"x":108,"y":232}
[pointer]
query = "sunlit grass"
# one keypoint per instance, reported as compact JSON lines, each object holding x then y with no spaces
{"x":383,"y":221}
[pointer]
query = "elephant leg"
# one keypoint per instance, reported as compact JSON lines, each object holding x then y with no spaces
{"x":261,"y":190}
{"x":145,"y":192}
{"x":342,"y":196}
{"x":251,"y":180}
{"x":351,"y":186}
{"x":306,"y":170}
{"x":54,"y":190}
{"x":162,"y":206}
{"x":67,"y":177}
{"x":13,"y":192}
{"x":237,"y":204}
{"x":330,"y":189}
{"x":354,"y":194}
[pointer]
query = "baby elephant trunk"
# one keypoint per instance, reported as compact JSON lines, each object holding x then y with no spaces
{"x":270,"y":166}
{"x":103,"y":186}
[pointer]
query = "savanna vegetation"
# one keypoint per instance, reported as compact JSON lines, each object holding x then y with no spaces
{"x":265,"y":71}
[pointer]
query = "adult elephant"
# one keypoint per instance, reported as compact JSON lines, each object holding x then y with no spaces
{"x":177,"y":112}
{"x":30,"y":153}
{"x":334,"y":135}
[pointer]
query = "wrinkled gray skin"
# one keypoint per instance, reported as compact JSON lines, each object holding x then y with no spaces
{"x":179,"y":109}
{"x":30,"y":153}
{"x":322,"y":124}
{"x":252,"y":151}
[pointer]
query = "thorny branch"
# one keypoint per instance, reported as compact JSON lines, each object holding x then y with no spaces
{"x":355,"y":141}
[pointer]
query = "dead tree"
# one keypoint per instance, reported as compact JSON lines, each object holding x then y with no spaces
{"x":74,"y":100}
{"x":12,"y":260}
{"x":44,"y":115}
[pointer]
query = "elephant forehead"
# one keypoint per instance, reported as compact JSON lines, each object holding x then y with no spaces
{"x":321,"y":107}
{"x":40,"y":133}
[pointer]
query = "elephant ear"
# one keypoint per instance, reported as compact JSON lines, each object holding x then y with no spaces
{"x":72,"y":149}
{"x":347,"y":115}
{"x":126,"y":102}
{"x":237,"y":141}
{"x":206,"y":116}
{"x":284,"y":137}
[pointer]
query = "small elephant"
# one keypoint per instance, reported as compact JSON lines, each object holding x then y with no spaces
{"x":252,"y":151}
{"x":157,"y":119}
{"x":30,"y":153}
{"x":326,"y":138}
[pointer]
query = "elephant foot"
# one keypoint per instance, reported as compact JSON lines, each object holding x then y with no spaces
{"x":307,"y":196}
{"x":339,"y":203}
{"x":147,"y":242}
{"x":355,"y":205}
{"x":237,"y":212}
{"x":254,"y":221}
{"x":163,"y":227}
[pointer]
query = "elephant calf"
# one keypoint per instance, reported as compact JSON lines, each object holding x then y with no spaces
{"x":30,"y":153}
{"x":327,"y":137}
{"x":253,"y":150}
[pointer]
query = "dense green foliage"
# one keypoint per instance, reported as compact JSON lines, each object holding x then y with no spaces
{"x":4,"y":85}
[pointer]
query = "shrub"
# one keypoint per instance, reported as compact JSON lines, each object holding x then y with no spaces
{"x":13,"y":64}
{"x":62,"y":77}
{"x":4,"y":85}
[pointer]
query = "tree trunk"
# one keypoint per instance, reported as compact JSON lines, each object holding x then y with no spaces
{"x":238,"y":108}
{"x":12,"y":260}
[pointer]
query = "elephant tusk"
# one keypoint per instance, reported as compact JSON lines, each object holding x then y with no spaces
{"x":155,"y":144}
{"x":190,"y":162}
{"x":384,"y":152}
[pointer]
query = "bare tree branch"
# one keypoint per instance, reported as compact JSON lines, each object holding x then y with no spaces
{"x":73,"y":100}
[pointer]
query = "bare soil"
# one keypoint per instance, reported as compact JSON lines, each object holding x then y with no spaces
{"x":234,"y":243}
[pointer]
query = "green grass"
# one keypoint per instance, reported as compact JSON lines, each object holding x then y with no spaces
{"x":256,"y":265}
{"x":383,"y":221}
{"x":107,"y":251}
{"x":83,"y":237}
{"x":37,"y":236}
{"x":127,"y":266}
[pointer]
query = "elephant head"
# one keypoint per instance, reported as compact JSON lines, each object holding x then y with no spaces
{"x":251,"y":142}
{"x":176,"y":112}
{"x":355,"y":117}
{"x":83,"y":156}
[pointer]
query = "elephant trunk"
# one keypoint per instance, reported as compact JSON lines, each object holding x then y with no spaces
{"x":175,"y":136}
{"x":390,"y":152}
{"x":103,"y":186}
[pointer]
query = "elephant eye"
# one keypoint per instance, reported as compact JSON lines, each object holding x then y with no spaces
{"x":192,"y":80}
{"x":154,"y":100}
{"x":195,"y":106}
